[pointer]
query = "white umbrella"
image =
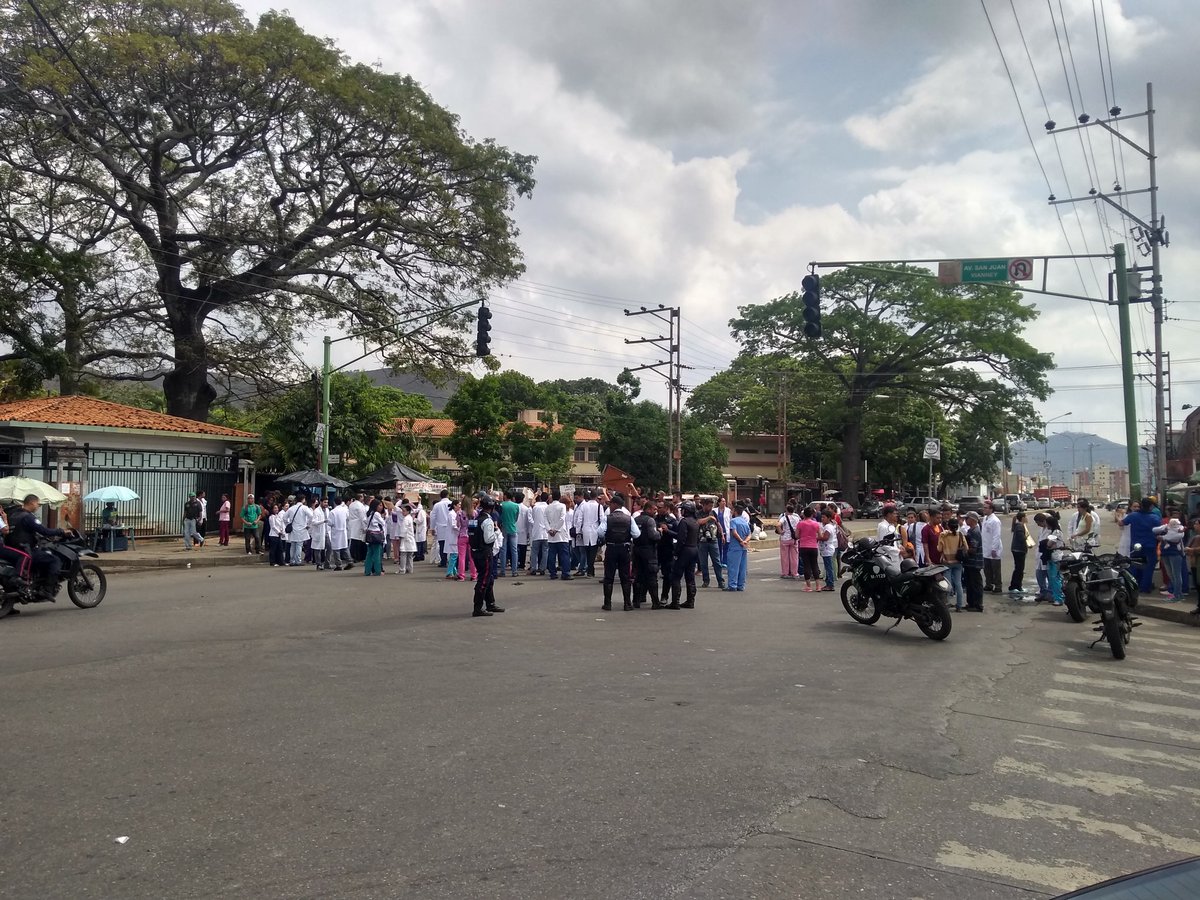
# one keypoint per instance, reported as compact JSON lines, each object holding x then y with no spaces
{"x":112,"y":494}
{"x":16,"y":488}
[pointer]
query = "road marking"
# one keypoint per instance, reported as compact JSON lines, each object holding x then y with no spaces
{"x":1125,"y":705}
{"x":1133,"y":674}
{"x":1177,"y":761}
{"x":1114,"y":684}
{"x":1021,"y":809}
{"x":1105,"y":784}
{"x":1064,"y":875}
{"x":1066,"y":716}
{"x":1174,"y":643}
{"x":1033,"y":740}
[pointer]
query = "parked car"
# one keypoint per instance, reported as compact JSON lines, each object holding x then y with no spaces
{"x":871,"y":509}
{"x":970,"y":504}
{"x":1000,"y":505}
{"x":1044,"y":503}
{"x":846,"y":510}
{"x":1014,"y":503}
{"x":918,"y":504}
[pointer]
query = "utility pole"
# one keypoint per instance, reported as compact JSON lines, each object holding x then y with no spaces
{"x":670,"y":343}
{"x":1153,"y":236}
{"x":1132,"y":454}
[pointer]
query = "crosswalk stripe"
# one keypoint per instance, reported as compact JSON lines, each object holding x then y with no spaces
{"x":1171,"y":642}
{"x":1180,"y":762}
{"x":1063,"y":815}
{"x":1128,"y":672}
{"x":1105,"y":784}
{"x":1115,"y":684}
{"x":1064,"y":874}
{"x":1124,"y":704}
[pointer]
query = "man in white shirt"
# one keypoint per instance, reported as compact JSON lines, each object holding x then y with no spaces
{"x":558,"y":539}
{"x":523,"y":523}
{"x":993,"y":549}
{"x":356,"y":522}
{"x":339,"y":541}
{"x":887,"y":526}
{"x":537,"y":535}
{"x":439,"y":521}
{"x":587,"y":526}
{"x":297,"y":520}
{"x":318,"y":534}
{"x":420,"y":529}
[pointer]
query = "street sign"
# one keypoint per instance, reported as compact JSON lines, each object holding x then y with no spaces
{"x":319,"y":435}
{"x":984,"y":271}
{"x":1046,"y":465}
{"x":933,"y":448}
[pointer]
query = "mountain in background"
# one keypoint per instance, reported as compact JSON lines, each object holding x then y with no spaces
{"x":1027,"y":456}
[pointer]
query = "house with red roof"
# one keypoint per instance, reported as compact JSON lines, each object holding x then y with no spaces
{"x":88,"y":443}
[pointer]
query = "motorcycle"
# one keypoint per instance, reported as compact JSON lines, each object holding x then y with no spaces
{"x":913,"y":593}
{"x":1074,"y":567}
{"x":1108,"y":596}
{"x":86,"y":584}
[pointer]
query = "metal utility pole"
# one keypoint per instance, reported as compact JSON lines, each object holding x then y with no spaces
{"x":1153,"y":237}
{"x":1132,"y":455}
{"x":670,"y":343}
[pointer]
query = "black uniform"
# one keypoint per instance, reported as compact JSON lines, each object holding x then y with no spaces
{"x":666,"y":551}
{"x":687,"y":552}
{"x":618,"y":535}
{"x":645,"y":561}
{"x":24,"y":530}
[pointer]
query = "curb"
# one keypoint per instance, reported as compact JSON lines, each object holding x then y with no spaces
{"x":161,"y":565}
{"x":1180,"y":614}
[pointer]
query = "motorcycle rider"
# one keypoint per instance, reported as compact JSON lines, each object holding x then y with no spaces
{"x":617,"y":532}
{"x":645,"y":557}
{"x":25,"y":529}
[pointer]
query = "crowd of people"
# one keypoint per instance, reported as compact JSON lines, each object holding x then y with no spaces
{"x":653,"y":547}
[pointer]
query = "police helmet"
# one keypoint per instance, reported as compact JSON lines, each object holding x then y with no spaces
{"x":486,"y":502}
{"x":862,"y":544}
{"x":688,"y":508}
{"x":908,"y":565}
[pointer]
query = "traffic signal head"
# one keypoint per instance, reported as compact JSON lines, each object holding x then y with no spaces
{"x":812,"y":305}
{"x":482,"y":332}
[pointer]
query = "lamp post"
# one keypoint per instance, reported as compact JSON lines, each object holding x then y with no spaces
{"x":1046,"y":444}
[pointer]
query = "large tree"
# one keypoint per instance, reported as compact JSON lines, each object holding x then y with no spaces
{"x":477,"y":442}
{"x":268,"y":183}
{"x":891,"y":332}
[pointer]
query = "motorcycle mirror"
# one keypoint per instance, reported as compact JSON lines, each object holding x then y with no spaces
{"x":1137,"y":548}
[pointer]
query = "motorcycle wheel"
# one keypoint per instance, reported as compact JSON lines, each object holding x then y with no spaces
{"x":862,"y":609}
{"x":933,"y":618}
{"x":6,"y":606}
{"x":87,"y":587}
{"x":1115,"y":635}
{"x":1075,"y":602}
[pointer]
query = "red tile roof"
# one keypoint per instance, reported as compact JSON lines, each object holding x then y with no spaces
{"x":440,"y":428}
{"x":89,"y":411}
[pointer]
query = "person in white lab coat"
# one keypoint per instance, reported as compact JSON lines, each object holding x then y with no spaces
{"x":318,"y":534}
{"x":406,"y":541}
{"x":993,"y":549}
{"x":356,"y":518}
{"x":339,"y":541}
{"x":587,"y":527}
{"x":420,"y":529}
{"x":296,"y":529}
{"x":523,"y":524}
{"x":558,"y":538}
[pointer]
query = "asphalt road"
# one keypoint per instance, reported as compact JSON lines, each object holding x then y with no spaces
{"x":284,"y":733}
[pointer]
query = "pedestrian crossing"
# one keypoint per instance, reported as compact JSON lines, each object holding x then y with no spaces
{"x":1098,"y":778}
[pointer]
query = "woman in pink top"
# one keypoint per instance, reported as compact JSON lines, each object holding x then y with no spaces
{"x":808,"y":536}
{"x":788,"y":557}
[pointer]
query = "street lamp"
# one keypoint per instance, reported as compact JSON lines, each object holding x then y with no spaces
{"x":1046,"y":444}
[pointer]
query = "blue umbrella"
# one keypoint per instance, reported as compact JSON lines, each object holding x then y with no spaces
{"x":112,"y":494}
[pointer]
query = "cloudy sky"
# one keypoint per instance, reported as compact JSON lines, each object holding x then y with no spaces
{"x":700,"y":152}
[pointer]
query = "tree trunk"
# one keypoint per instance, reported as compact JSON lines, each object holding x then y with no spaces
{"x":68,"y":375}
{"x":188,"y":393}
{"x":852,"y":456}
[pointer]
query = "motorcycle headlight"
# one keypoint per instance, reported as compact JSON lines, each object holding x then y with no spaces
{"x":942,"y":585}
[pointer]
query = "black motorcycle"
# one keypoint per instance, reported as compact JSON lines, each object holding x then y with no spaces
{"x":1108,"y":595}
{"x":917,"y":593}
{"x":1074,"y":567}
{"x":86,"y":584}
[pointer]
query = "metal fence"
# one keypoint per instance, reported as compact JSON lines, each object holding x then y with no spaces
{"x":161,"y":480}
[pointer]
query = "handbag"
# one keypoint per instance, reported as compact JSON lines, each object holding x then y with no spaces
{"x":375,"y":537}
{"x":1028,"y":538}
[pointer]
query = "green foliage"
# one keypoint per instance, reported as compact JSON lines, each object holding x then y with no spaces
{"x":261,"y":182}
{"x":580,"y":402}
{"x":704,"y":456}
{"x":889,"y":332}
{"x":635,"y":439}
{"x":360,"y":427}
{"x":477,"y":443}
{"x":547,"y":452}
{"x":518,"y":392}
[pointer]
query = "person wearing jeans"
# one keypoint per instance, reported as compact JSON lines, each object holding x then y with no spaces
{"x":950,"y":542}
{"x":558,"y":537}
{"x":710,"y":545}
{"x":1171,"y":537}
{"x":828,"y":546}
{"x":510,"y":512}
{"x":1020,"y":541}
{"x":538,"y":536}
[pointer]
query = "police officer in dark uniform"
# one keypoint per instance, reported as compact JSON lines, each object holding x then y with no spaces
{"x":24,"y":531}
{"x":482,"y":537}
{"x":645,"y":557}
{"x":666,"y":546}
{"x":617,"y":533}
{"x":687,"y":553}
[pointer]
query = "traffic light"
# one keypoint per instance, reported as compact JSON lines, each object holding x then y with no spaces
{"x":812,"y":305}
{"x":482,"y":331}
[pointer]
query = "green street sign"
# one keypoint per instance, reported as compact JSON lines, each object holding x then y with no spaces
{"x":975,"y":271}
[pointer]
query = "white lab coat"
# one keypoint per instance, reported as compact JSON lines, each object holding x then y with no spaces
{"x":439,"y":518}
{"x":317,"y":529}
{"x":356,"y":516}
{"x":298,"y":517}
{"x":406,"y":534}
{"x":523,"y":524}
{"x":587,"y":522}
{"x":537,"y":519}
{"x":556,"y":521}
{"x":394,"y":523}
{"x":421,"y":524}
{"x":993,"y":542}
{"x":882,"y":530}
{"x":338,"y":537}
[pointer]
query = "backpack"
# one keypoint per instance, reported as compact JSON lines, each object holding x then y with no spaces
{"x":843,"y":537}
{"x":192,"y":510}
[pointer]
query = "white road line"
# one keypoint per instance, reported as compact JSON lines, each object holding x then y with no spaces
{"x":1063,"y":875}
{"x":1106,"y":784}
{"x":1021,"y":809}
{"x":1124,"y":704}
{"x":1173,"y":643}
{"x":1117,"y":685}
{"x":1179,"y":761}
{"x":1127,"y":672}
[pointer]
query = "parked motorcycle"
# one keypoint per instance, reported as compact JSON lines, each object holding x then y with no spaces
{"x":1074,"y":567}
{"x":86,"y":584}
{"x":913,"y":593}
{"x":1108,"y":594}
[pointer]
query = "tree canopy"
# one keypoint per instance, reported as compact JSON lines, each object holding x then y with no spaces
{"x":889,"y":334}
{"x":242,"y":181}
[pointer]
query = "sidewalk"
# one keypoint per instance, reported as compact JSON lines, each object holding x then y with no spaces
{"x":1154,"y":606}
{"x":158,"y":555}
